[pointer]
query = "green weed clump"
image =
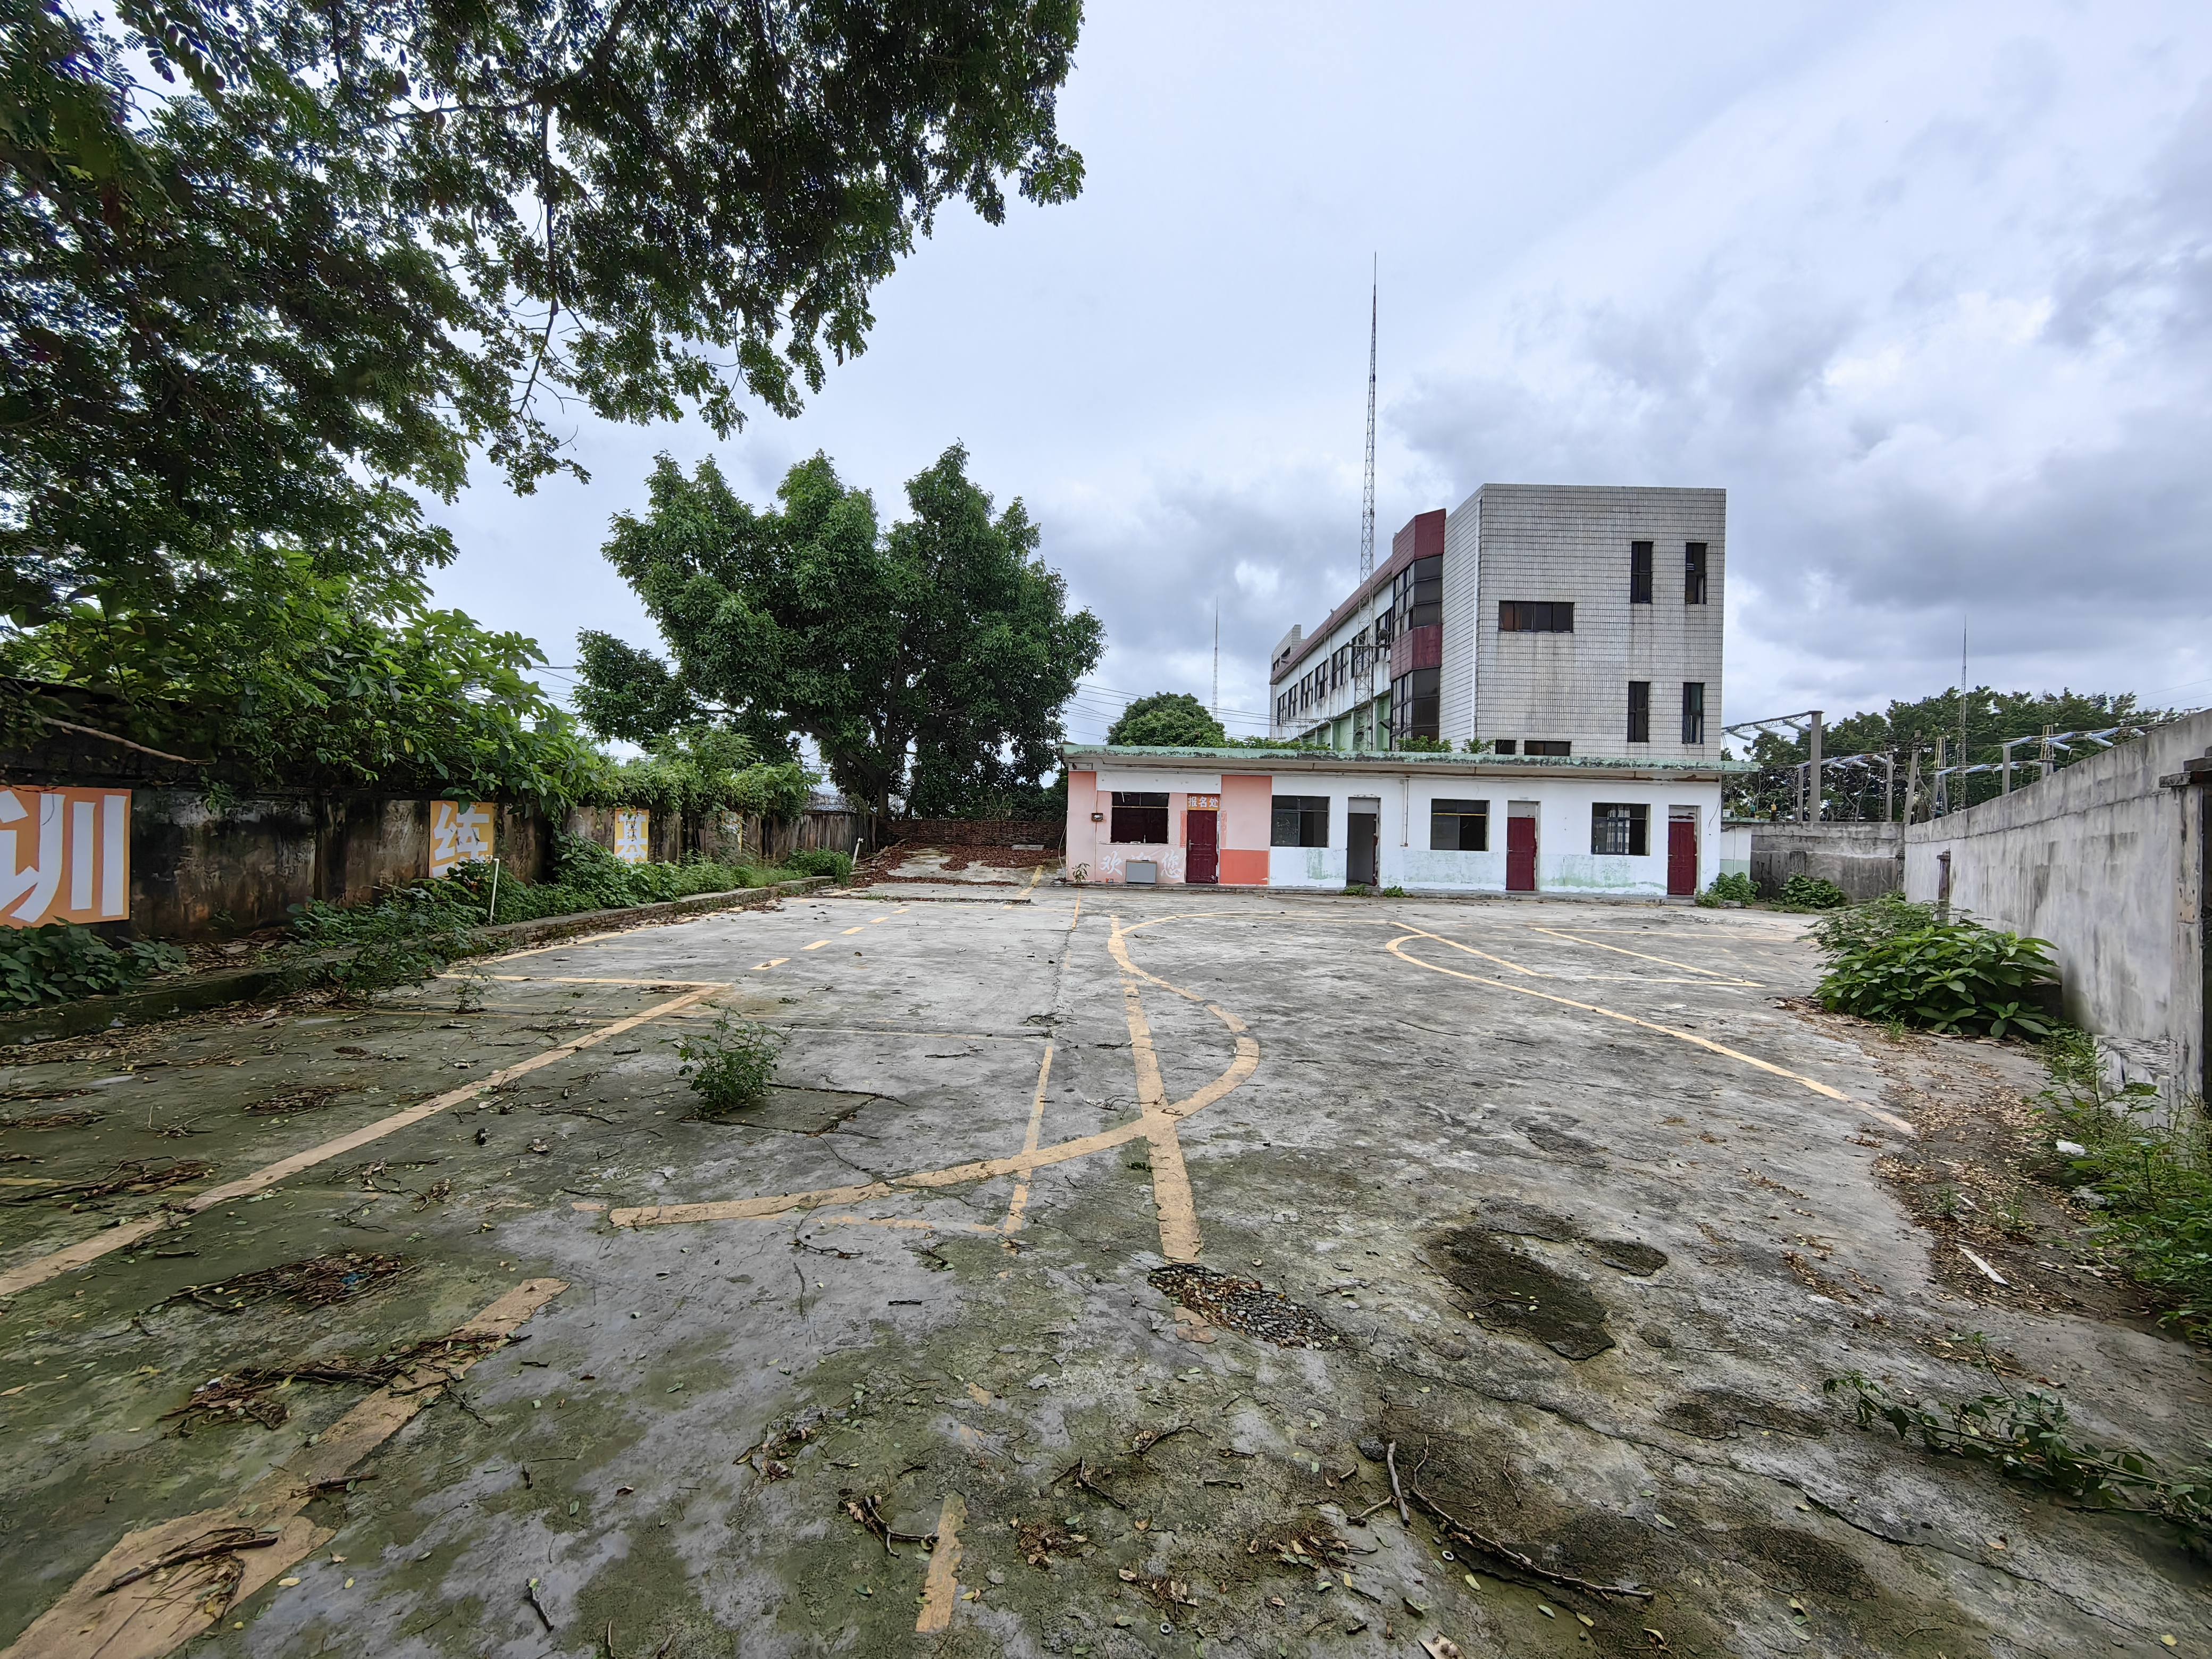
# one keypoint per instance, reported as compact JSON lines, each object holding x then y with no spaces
{"x":1734,"y":886}
{"x":732,"y":1066}
{"x":1892,"y":961}
{"x":1813,"y":893}
{"x":822,"y":861}
{"x":2151,"y":1179}
{"x":2028,"y":1436}
{"x":62,"y":962}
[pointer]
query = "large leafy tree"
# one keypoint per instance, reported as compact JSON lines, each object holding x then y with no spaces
{"x":928,"y":662}
{"x":1168,"y":719}
{"x":247,"y":319}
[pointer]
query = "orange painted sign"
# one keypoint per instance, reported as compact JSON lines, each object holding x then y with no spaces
{"x":64,"y":856}
{"x":1203,"y":803}
{"x":460,"y":832}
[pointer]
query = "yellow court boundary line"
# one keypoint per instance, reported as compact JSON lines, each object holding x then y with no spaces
{"x":87,"y":1251}
{"x":1025,"y":1163}
{"x":1666,"y":962}
{"x":1411,"y":932}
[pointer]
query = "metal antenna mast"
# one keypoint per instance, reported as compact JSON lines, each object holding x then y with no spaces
{"x":1367,"y":506}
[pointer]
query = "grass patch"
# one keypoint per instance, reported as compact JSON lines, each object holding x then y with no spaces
{"x":2151,"y":1179}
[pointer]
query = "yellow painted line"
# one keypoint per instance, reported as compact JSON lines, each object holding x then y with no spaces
{"x":41,"y":1268}
{"x":1664,"y":961}
{"x":775,"y":962}
{"x":574,"y":979}
{"x":938,"y":1587}
{"x":818,"y":945}
{"x":156,"y":1614}
{"x":873,"y":921}
{"x":910,"y":1222}
{"x":1610,"y":1013}
{"x":862,"y":928}
{"x":1078,"y":916}
{"x":1029,"y":1142}
{"x":1246,"y":1062}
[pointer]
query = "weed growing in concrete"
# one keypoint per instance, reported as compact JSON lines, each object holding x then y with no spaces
{"x":62,"y":962}
{"x":1394,"y":892}
{"x":1894,"y":961}
{"x":2028,"y":1436}
{"x":2153,"y":1176}
{"x":1735,"y":886}
{"x":1355,"y":889}
{"x":732,"y":1066}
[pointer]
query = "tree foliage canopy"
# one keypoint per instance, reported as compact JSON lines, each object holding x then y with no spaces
{"x":927,"y":662}
{"x":1168,"y":719}
{"x":246,"y":318}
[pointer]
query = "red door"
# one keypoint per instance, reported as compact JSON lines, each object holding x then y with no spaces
{"x":1520,"y":855}
{"x":1681,"y":856}
{"x":1202,"y":851}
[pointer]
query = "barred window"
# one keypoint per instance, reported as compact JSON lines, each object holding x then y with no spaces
{"x":1639,"y":711}
{"x":1640,"y":573}
{"x":1459,"y":826}
{"x":1622,"y":829}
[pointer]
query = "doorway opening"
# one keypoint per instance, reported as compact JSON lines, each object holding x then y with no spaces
{"x":1681,"y":851}
{"x":1202,"y":846}
{"x":1363,"y":840}
{"x":1520,"y":846}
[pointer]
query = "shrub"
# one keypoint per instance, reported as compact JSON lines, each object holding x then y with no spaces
{"x":1813,"y":893}
{"x":822,"y":861}
{"x":62,"y":962}
{"x":732,"y":1066}
{"x":1944,"y":976}
{"x":1394,"y":892}
{"x":1870,"y":923}
{"x":1423,"y":746}
{"x":1734,"y":885}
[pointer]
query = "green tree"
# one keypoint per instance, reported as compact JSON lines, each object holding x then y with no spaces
{"x":928,"y":663}
{"x":246,"y":320}
{"x":1168,"y":719}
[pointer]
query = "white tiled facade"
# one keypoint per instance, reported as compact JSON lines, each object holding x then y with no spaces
{"x":1548,"y":543}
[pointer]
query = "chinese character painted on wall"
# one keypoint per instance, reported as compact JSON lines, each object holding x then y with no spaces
{"x":460,"y":832}
{"x":64,"y":856}
{"x":632,"y":844}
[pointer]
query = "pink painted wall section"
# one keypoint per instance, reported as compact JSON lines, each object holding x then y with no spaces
{"x":1083,"y":799}
{"x":1247,"y":827}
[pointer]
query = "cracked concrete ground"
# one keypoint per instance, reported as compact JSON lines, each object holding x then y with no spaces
{"x":1571,"y":1211}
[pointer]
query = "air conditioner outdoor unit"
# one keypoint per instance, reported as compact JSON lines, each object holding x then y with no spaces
{"x":1143,"y":872}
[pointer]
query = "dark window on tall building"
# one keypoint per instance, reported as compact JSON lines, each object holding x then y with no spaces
{"x":1639,"y":711}
{"x":1417,"y":593}
{"x":1546,"y":746}
{"x":1506,"y":746}
{"x":1301,"y":820}
{"x":1141,"y":815}
{"x":1693,"y":711}
{"x":1640,"y":573}
{"x":1414,"y":703}
{"x":1535,"y":617}
{"x":1621,"y":829}
{"x":1459,"y":826}
{"x":1693,"y":574}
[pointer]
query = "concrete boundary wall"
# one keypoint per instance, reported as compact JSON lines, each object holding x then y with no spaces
{"x":2105,"y":858}
{"x":1865,"y":860}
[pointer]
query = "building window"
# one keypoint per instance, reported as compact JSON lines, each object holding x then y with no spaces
{"x":1622,"y":829}
{"x":1506,"y":746}
{"x":1639,"y":711}
{"x":1301,"y":820}
{"x":1459,"y":826}
{"x":1546,"y":746}
{"x":1693,"y":574}
{"x":1140,"y":815}
{"x":1415,"y":699}
{"x":1417,"y":594}
{"x":1640,"y":573}
{"x":1693,"y":711}
{"x":1535,"y":617}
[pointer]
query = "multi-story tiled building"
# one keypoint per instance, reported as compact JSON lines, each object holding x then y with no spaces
{"x":1552,"y":620}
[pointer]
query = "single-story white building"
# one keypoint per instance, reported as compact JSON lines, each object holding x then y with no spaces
{"x":1427,"y":822}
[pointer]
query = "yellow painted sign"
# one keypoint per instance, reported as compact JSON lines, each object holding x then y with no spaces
{"x":633,"y":845}
{"x":460,"y":832}
{"x":64,"y":856}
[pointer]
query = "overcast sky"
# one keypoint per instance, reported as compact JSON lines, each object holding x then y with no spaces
{"x":1926,"y":287}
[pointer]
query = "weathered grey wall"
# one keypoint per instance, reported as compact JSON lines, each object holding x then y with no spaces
{"x":1865,"y":860}
{"x":2105,"y":859}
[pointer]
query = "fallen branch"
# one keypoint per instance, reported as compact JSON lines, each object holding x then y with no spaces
{"x":1148,"y":1439}
{"x":110,"y":737}
{"x":1505,"y":1552}
{"x":223,"y":1543}
{"x":1081,"y":1470}
{"x":1390,"y":1459}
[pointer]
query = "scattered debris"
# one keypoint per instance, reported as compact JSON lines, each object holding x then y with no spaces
{"x":864,"y":1507}
{"x":317,"y":1280}
{"x":1243,"y":1305}
{"x":219,"y":1546}
{"x":248,"y":1392}
{"x":313,"y":1099}
{"x":132,"y":1177}
{"x":1466,"y":1535}
{"x":1040,"y":1540}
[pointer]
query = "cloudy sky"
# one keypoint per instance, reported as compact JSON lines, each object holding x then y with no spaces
{"x":1927,"y":288}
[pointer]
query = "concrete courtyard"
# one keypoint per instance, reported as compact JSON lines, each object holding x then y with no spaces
{"x":1095,"y":1261}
